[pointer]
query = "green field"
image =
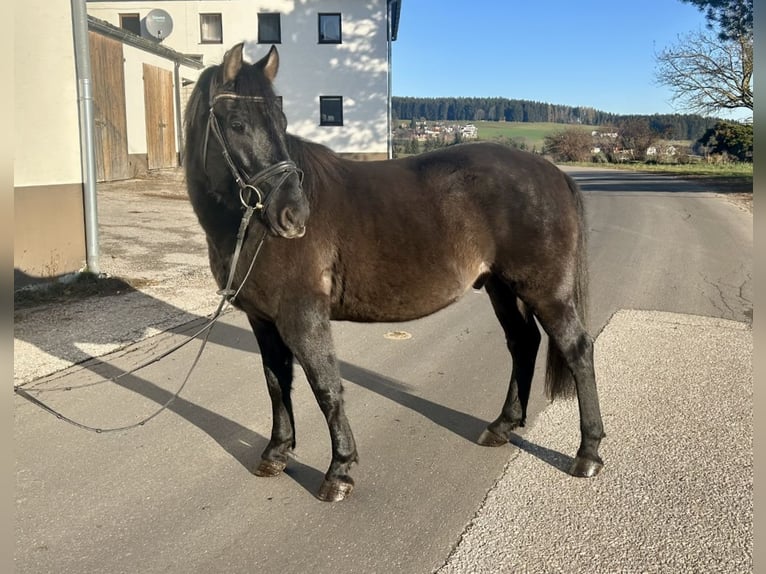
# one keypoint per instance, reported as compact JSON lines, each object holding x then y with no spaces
{"x":533,"y":133}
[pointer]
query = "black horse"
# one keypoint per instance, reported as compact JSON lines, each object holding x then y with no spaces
{"x":336,"y":239}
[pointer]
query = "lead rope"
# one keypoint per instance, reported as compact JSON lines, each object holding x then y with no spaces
{"x":227,"y":298}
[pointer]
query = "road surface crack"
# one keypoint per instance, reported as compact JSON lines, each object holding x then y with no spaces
{"x":725,"y":292}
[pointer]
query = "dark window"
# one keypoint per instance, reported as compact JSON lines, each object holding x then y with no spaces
{"x":329,"y":29}
{"x":210,"y":29}
{"x":330,"y":110}
{"x":131,"y":23}
{"x":269,"y":28}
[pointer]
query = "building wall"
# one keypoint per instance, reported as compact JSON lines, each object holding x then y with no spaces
{"x":356,"y":69}
{"x":49,"y":236}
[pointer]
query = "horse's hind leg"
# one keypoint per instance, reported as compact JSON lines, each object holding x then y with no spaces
{"x":523,"y":339}
{"x":278,"y":368}
{"x":561,"y":321}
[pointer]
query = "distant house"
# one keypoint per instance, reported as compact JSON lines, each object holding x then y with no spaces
{"x":653,"y":151}
{"x":469,"y":131}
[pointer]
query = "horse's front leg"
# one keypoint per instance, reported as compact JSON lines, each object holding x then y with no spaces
{"x":278,"y":368}
{"x":308,"y":333}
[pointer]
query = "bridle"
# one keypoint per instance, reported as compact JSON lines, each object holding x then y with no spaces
{"x":248,"y":185}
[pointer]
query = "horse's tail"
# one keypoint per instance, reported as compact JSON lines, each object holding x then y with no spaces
{"x":558,"y":377}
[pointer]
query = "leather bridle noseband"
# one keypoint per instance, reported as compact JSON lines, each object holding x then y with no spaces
{"x":248,"y":186}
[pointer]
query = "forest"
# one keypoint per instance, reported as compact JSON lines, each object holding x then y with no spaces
{"x":667,"y":126}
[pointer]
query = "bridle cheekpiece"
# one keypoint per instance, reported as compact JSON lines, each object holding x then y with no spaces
{"x":248,"y":186}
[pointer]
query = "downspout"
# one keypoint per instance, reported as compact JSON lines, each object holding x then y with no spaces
{"x":179,"y":123}
{"x":87,"y":139}
{"x":389,"y":137}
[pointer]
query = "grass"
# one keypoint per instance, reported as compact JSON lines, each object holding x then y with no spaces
{"x":735,"y":172}
{"x":740,"y":170}
{"x":533,"y":133}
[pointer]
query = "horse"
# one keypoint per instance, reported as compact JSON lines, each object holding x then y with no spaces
{"x":335,"y":239}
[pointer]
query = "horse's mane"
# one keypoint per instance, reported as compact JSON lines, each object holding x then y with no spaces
{"x":195,"y":121}
{"x":321,"y":166}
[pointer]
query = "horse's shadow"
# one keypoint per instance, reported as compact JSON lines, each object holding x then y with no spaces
{"x":245,"y":445}
{"x":462,"y":424}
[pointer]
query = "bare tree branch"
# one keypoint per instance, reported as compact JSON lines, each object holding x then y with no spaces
{"x":707,"y":74}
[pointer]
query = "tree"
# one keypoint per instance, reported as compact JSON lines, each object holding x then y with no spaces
{"x":730,"y":138}
{"x":636,"y":135}
{"x":569,"y":144}
{"x":412,"y":147}
{"x":710,"y":72}
{"x":707,"y":75}
{"x":732,"y":18}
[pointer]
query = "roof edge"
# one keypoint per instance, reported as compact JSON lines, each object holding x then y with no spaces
{"x":395,"y":11}
{"x":107,"y":29}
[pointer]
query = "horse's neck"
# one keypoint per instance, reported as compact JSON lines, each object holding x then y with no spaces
{"x":219,"y":221}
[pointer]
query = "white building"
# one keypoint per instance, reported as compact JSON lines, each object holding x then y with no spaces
{"x":334,"y":79}
{"x":335,"y":56}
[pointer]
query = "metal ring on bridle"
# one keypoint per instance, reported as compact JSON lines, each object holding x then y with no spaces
{"x":247,"y":187}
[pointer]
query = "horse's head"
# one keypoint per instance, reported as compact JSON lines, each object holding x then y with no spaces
{"x":248,"y":124}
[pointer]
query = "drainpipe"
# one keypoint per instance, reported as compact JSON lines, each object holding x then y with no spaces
{"x":87,"y":139}
{"x":389,"y":139}
{"x":179,"y":123}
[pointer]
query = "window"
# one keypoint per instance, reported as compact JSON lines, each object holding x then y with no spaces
{"x":210,"y":29}
{"x":131,"y":23}
{"x":269,"y":28}
{"x":330,"y":110}
{"x":329,"y":29}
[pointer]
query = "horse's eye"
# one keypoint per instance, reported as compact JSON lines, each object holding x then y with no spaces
{"x":238,"y":126}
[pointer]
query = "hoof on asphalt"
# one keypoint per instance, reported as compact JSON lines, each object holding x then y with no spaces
{"x":335,"y":490}
{"x":270,"y":467}
{"x":586,"y":468}
{"x":489,"y":438}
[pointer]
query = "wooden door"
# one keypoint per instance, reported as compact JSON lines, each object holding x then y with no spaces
{"x":160,"y":122}
{"x":108,"y":84}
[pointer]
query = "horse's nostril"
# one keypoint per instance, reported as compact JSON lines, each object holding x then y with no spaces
{"x":292,"y":220}
{"x":288,"y":218}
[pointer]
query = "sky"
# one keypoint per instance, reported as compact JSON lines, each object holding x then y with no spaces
{"x":595,"y":53}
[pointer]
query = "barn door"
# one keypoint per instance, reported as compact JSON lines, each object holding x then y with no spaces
{"x":160,"y":123}
{"x":111,"y":132}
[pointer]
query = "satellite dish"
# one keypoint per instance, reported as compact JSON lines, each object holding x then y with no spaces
{"x":159,"y":24}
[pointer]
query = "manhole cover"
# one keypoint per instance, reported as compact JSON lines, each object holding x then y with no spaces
{"x":398,"y":335}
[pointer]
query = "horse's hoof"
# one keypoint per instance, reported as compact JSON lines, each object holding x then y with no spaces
{"x":585,"y":468}
{"x":270,"y":467}
{"x":489,"y":438}
{"x":335,"y":490}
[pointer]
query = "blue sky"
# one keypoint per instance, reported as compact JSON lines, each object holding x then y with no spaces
{"x":597,"y":53}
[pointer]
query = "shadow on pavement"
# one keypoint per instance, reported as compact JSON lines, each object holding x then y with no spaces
{"x":641,"y":182}
{"x":241,"y":443}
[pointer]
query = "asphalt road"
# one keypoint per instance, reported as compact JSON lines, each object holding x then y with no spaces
{"x":178,"y":495}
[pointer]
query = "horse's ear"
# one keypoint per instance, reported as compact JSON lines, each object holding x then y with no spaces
{"x":270,"y":64}
{"x":232,"y":63}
